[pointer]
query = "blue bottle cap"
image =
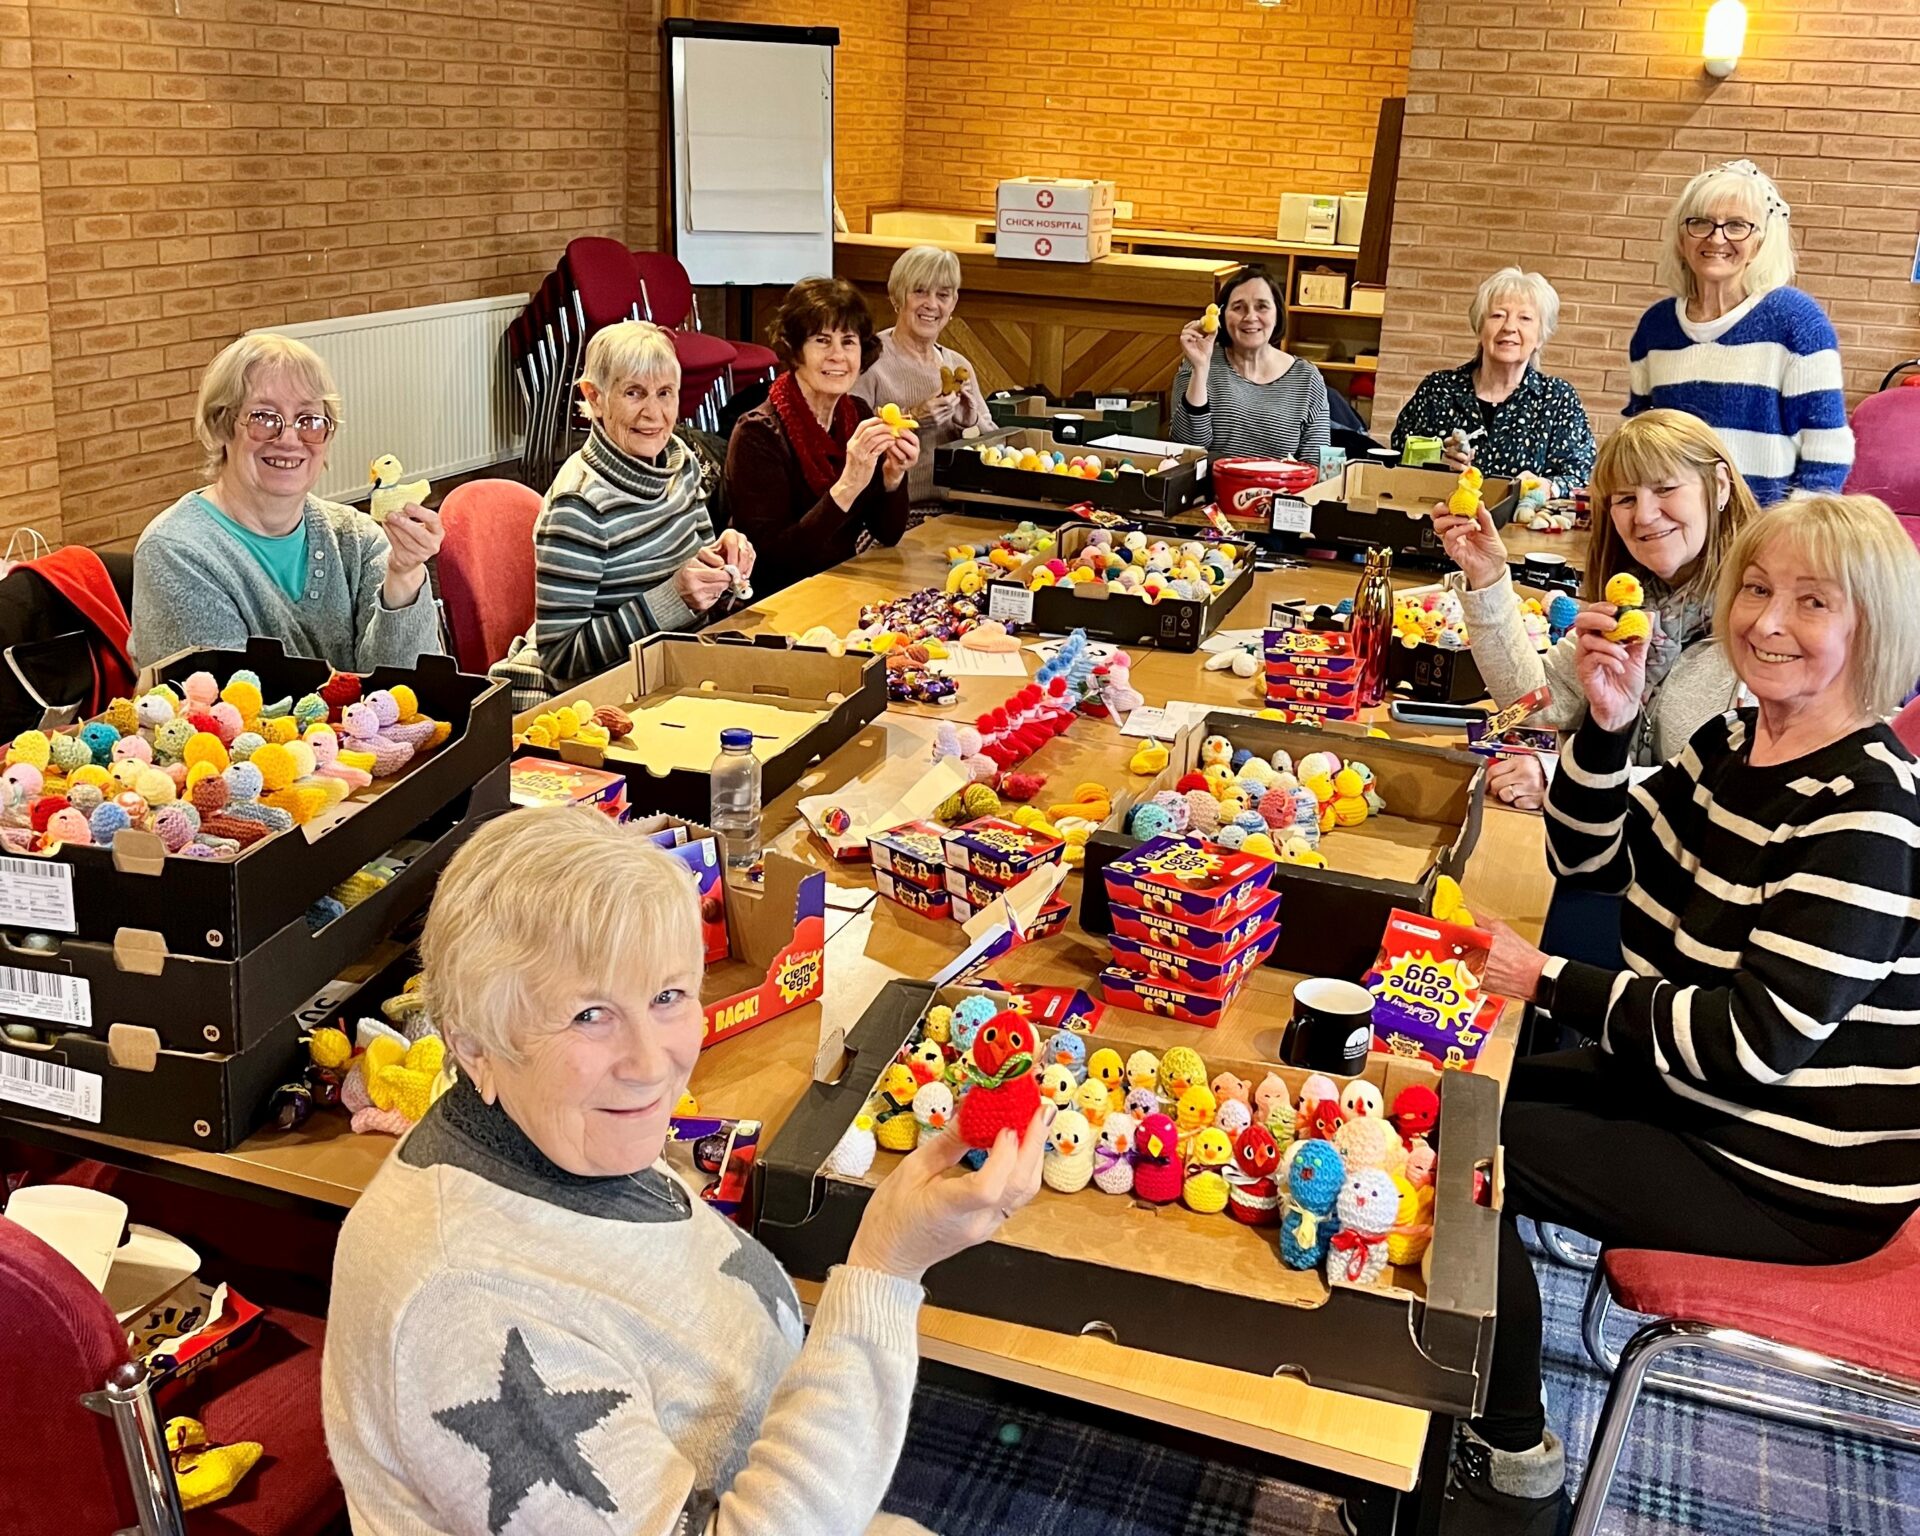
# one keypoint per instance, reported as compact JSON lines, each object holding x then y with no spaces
{"x":736,"y":738}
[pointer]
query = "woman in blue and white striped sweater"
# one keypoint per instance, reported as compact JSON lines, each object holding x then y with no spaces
{"x":1753,"y":357}
{"x":1757,"y":1083}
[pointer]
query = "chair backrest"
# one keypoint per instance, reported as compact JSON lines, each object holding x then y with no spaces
{"x":1885,"y":428}
{"x":669,"y":291}
{"x":60,"y":1465}
{"x":601,"y":272}
{"x":486,"y":567}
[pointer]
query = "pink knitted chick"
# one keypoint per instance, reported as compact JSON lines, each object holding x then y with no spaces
{"x":326,"y":748}
{"x":362,"y":725}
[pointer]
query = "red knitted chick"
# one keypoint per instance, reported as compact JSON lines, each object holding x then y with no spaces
{"x":340,"y":690}
{"x":1005,"y":1095}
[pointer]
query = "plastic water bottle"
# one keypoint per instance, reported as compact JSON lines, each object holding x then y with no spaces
{"x":735,"y":802}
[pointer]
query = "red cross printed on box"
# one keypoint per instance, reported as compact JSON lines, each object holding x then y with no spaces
{"x":1044,"y":198}
{"x":1043,"y":246}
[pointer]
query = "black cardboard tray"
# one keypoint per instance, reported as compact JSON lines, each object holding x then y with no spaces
{"x":1434,"y":674}
{"x":222,"y":908}
{"x":195,"y":1004}
{"x":1430,"y":1354}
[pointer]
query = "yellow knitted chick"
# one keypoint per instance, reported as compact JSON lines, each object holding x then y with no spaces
{"x":31,"y":747}
{"x":408,"y":1086}
{"x":303,"y":802}
{"x":1075,"y":853}
{"x":1465,"y":500}
{"x":206,"y":1473}
{"x":281,"y":729}
{"x":204,"y":747}
{"x":1449,"y":903}
{"x":245,"y":697}
{"x":90,"y":773}
{"x":330,"y":1048}
{"x":389,"y":493}
{"x":1148,"y":759}
{"x":1623,"y":589}
{"x":896,"y":419}
{"x":122,"y":716}
{"x":358,"y":886}
{"x":1208,"y":1154}
{"x":1210,"y":320}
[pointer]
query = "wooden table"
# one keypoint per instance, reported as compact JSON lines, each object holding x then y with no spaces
{"x":763,"y":1073}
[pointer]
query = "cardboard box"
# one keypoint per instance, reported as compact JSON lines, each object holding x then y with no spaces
{"x":811,"y":702}
{"x":1059,"y":197}
{"x":913,"y":852}
{"x":777,"y":933}
{"x":1026,"y":910}
{"x":1372,"y":506}
{"x":1369,"y":299}
{"x":957,"y":466}
{"x":1013,"y":245}
{"x":1105,"y":613}
{"x":1195,"y":938}
{"x":1094,"y":1263}
{"x":929,"y":901}
{"x":190,"y":1003}
{"x":1434,"y":673}
{"x":1208,"y":978}
{"x":1332,"y":918}
{"x":869,"y":812}
{"x":1044,"y":218}
{"x":1200,"y":1006}
{"x":1186,"y":877}
{"x":999,"y":851}
{"x":1050,"y":919}
{"x":541,"y":782}
{"x":221,"y":908}
{"x":1079,"y":418}
{"x":1323,"y":288}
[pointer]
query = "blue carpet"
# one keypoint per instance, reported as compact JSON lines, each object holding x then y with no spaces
{"x":975,"y":1468}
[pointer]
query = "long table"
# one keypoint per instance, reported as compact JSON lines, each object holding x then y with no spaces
{"x":762,"y":1074}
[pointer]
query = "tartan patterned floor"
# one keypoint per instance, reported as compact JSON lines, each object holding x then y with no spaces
{"x":975,"y":1468}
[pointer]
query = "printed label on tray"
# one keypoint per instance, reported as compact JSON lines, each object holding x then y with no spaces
{"x":36,"y":995}
{"x":48,"y":1085}
{"x":1010,"y":604}
{"x":36,"y":894}
{"x":1291,"y":515}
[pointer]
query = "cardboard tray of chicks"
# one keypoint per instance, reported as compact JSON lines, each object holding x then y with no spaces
{"x":1428,"y":656}
{"x":1080,"y":418}
{"x":1006,"y":463}
{"x":1190,"y":1280}
{"x":195,"y":1004}
{"x":656,"y":717}
{"x":1331,"y":912}
{"x":220,"y":864}
{"x":1131,"y":588}
{"x":1371,"y":506}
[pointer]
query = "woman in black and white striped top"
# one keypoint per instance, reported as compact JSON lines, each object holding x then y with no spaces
{"x":624,"y":547}
{"x":1236,"y":392}
{"x":1756,"y":1090}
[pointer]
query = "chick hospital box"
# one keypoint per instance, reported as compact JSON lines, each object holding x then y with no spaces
{"x":1043,"y":218}
{"x":681,"y":691}
{"x":1331,"y":919}
{"x":1165,"y":1279}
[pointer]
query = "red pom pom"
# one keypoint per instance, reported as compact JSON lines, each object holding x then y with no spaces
{"x":200,"y":720}
{"x":1190,"y":781}
{"x":1056,"y":688}
{"x":1022,"y":786}
{"x":43,"y":809}
{"x":340,"y":690}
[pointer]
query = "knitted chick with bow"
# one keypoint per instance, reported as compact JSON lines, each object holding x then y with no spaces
{"x":1113,"y":1155}
{"x":1157,"y":1171}
{"x":1068,"y":1165}
{"x":390,"y":494}
{"x":892,"y":1109}
{"x":1208,"y":1157}
{"x":933,"y":1108}
{"x":1002,"y":1092}
{"x":1366,"y":1212}
{"x":1313,"y":1188}
{"x":1194,"y":1113}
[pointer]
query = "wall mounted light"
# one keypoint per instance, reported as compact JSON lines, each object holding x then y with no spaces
{"x":1725,"y":36}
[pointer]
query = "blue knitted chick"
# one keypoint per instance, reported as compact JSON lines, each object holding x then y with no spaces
{"x":1313,"y":1185}
{"x":1066,"y":1049}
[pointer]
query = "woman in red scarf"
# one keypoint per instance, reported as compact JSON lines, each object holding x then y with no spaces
{"x":811,"y":469}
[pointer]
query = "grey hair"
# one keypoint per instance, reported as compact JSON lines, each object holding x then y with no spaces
{"x":1740,"y":184}
{"x":1511,"y":280}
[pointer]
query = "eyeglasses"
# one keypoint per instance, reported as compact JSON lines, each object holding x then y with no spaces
{"x":312,"y":428}
{"x":1735,"y":230}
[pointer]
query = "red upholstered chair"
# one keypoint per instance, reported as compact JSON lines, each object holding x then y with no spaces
{"x":1885,"y":427}
{"x":1841,"y":1325}
{"x":486,"y":567}
{"x":62,"y":1469}
{"x":605,"y":284}
{"x":709,"y":366}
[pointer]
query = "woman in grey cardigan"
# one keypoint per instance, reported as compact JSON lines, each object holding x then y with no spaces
{"x":257,"y":553}
{"x":1667,"y":502}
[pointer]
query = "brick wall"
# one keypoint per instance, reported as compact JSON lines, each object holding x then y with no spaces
{"x":1203,"y":111}
{"x":1557,"y":136}
{"x":29,"y":467}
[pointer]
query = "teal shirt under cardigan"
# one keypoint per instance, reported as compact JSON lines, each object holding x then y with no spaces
{"x":196,"y":585}
{"x":285,"y":558}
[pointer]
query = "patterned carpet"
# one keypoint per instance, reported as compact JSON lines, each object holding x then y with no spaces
{"x":974,"y":1467}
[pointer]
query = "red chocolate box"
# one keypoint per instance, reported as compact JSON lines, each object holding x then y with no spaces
{"x":1125,"y":989}
{"x":1195,"y":939}
{"x":998,"y":850}
{"x":927,"y":901}
{"x":911,"y":851}
{"x":1187,"y":877}
{"x":1205,"y":978}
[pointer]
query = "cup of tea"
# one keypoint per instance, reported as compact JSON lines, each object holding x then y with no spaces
{"x":1546,"y":569}
{"x":1331,"y":1028}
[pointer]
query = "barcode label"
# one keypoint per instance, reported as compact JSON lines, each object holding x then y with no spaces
{"x":36,"y":995}
{"x":50,"y":1086}
{"x":1291,"y":515}
{"x":37,"y":895}
{"x":1009,"y":604}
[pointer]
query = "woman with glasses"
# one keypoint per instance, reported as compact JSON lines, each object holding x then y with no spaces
{"x":1737,"y":346}
{"x":255,"y":552}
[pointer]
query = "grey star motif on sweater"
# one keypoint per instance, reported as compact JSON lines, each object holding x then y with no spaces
{"x":751,"y":1263}
{"x":530,"y":1434}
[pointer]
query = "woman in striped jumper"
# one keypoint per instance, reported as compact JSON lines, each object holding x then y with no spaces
{"x":624,"y":547}
{"x":1236,"y":392}
{"x":1753,"y":357}
{"x":1754,"y":1091}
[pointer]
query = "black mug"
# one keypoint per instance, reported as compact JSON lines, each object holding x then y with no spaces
{"x":1331,"y":1029}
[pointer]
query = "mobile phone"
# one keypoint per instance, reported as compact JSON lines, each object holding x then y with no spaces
{"x":1421,"y":712}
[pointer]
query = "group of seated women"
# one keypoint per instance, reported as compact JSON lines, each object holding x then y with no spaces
{"x":536,"y":1322}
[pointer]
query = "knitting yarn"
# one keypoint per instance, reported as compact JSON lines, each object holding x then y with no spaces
{"x":106,"y":820}
{"x":201,"y":689}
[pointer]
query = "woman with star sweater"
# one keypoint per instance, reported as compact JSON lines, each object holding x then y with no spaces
{"x":1754,"y":358}
{"x":536,"y":1326}
{"x":624,"y":546}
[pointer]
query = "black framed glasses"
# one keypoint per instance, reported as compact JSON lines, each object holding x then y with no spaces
{"x":311,"y":427}
{"x":1735,"y":230}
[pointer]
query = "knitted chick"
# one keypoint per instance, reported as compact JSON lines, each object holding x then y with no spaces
{"x":1412,"y":1228}
{"x":407,"y":1085}
{"x":1113,"y":1155}
{"x":897,"y":420}
{"x":1143,"y":1071}
{"x":206,"y":1473}
{"x":1208,"y":1157}
{"x":853,"y":1153}
{"x":1449,"y":903}
{"x":951,"y":379}
{"x":1194,"y":1113}
{"x":1148,"y":759}
{"x":1002,"y":1092}
{"x":1465,"y":500}
{"x":1091,"y":1099}
{"x":1068,"y":1165}
{"x":1626,"y":594}
{"x":1253,"y":1196}
{"x":1314,"y":1181}
{"x":389,"y":493}
{"x":1157,"y":1171}
{"x":1066,"y":1049}
{"x":1210,"y":320}
{"x":1104,"y":1067}
{"x":1368,"y":1141}
{"x":1366,"y":1210}
{"x":1057,"y":1085}
{"x":933,"y":1108}
{"x":892,"y":1109}
{"x":1180,"y":1069}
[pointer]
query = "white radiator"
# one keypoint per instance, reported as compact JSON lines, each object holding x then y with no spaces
{"x":427,"y":385}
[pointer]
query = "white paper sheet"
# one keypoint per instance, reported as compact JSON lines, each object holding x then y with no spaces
{"x":961,"y":662}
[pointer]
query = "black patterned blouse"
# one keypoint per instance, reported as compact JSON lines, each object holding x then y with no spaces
{"x":1541,"y":428}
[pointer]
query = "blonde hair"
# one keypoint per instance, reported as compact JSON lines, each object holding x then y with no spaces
{"x":1535,"y":288}
{"x":1858,"y":544}
{"x":539,"y":900}
{"x":627,"y":349}
{"x":1743,"y":185}
{"x":1654,"y":447}
{"x":923,"y":266}
{"x":223,"y":387}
